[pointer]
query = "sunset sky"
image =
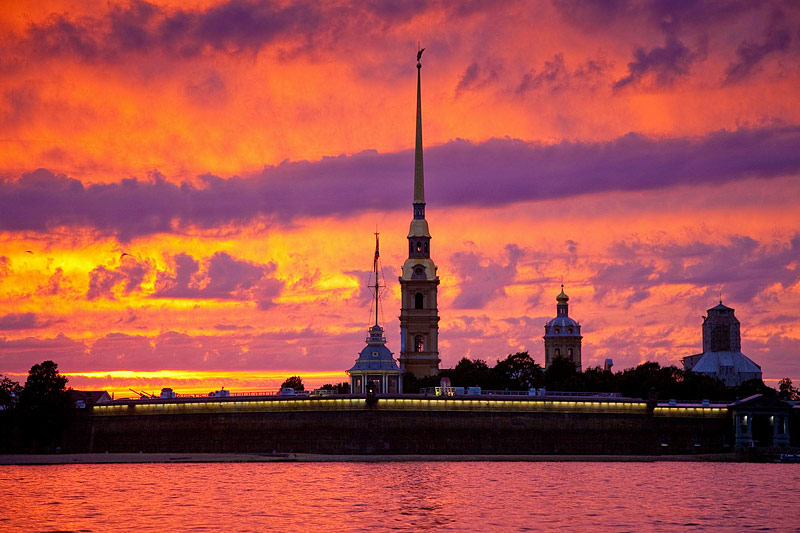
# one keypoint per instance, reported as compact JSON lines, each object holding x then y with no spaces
{"x":189,"y":189}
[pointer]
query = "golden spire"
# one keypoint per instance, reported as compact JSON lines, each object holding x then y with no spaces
{"x":419,"y":177}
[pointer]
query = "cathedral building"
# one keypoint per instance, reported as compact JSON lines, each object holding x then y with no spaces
{"x":722,"y":356}
{"x":419,"y":313}
{"x":562,"y":335}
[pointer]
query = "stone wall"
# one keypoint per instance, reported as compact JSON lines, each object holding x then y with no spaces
{"x":376,"y":431}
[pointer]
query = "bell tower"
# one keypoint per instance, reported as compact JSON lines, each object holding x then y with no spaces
{"x":562,"y":335}
{"x":419,"y":313}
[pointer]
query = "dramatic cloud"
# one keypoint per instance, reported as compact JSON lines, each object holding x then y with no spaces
{"x":742,"y":268}
{"x":103,"y":280}
{"x":482,"y":280}
{"x":191,"y":213}
{"x":555,"y":76}
{"x":478,"y":75}
{"x":223,"y":277}
{"x":232,"y":27}
{"x":21,"y":354}
{"x":15,"y":321}
{"x":662,"y":65}
{"x":172,"y":349}
{"x":495,"y":172}
{"x":749,"y":54}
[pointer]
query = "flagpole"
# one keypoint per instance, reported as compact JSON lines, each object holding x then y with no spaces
{"x":375,"y":268}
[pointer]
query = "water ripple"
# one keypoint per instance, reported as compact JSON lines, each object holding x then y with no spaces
{"x":459,"y":496}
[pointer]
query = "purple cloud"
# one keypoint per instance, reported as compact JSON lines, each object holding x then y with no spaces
{"x":232,"y":27}
{"x":17,"y":321}
{"x":555,"y":76}
{"x":662,"y":64}
{"x":18,"y":355}
{"x":478,"y":75}
{"x":613,"y":278}
{"x":222,"y":277}
{"x":178,"y":350}
{"x":459,"y":173}
{"x":750,"y":54}
{"x":54,"y":284}
{"x":483,"y":280}
{"x":130,"y":273}
{"x":743,"y":267}
{"x":669,"y":17}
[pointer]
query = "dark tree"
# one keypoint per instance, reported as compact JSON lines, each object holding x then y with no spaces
{"x":46,"y":405}
{"x":45,"y":389}
{"x":9,"y":393}
{"x":637,"y":382}
{"x":474,"y":373}
{"x":596,"y":380}
{"x":519,"y":372}
{"x":339,"y":388}
{"x":294,"y":382}
{"x":786,"y":391}
{"x":754,"y":386}
{"x":698,"y":386}
{"x":559,"y":373}
{"x":412,"y":384}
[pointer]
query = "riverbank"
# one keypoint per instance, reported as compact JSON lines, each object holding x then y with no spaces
{"x":111,"y":458}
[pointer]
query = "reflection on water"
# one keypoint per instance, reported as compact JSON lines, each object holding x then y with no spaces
{"x":402,"y":496}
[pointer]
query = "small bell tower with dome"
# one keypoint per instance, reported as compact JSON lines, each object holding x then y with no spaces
{"x":562,"y":335}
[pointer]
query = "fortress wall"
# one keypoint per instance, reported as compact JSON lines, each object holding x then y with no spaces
{"x":437,"y":428}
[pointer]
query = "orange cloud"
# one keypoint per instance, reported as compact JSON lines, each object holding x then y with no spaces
{"x":138,"y":249}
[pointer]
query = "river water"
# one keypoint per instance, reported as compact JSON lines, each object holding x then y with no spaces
{"x":459,"y":496}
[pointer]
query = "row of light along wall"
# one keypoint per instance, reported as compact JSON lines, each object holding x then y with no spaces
{"x":402,"y":404}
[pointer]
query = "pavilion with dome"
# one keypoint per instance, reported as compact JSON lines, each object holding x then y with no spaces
{"x":376,"y":364}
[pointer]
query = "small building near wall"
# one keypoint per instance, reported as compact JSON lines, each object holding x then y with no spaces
{"x":87,"y":398}
{"x":376,"y":364}
{"x":761,"y":422}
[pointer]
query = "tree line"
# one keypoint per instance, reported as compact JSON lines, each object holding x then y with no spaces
{"x":519,"y":372}
{"x":34,"y":416}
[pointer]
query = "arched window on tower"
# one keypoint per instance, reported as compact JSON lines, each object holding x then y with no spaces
{"x":419,"y":300}
{"x":426,"y":247}
{"x":569,"y":352}
{"x":419,"y":246}
{"x":419,"y":343}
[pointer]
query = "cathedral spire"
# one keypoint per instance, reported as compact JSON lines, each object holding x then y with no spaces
{"x":419,"y":174}
{"x":419,"y":313}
